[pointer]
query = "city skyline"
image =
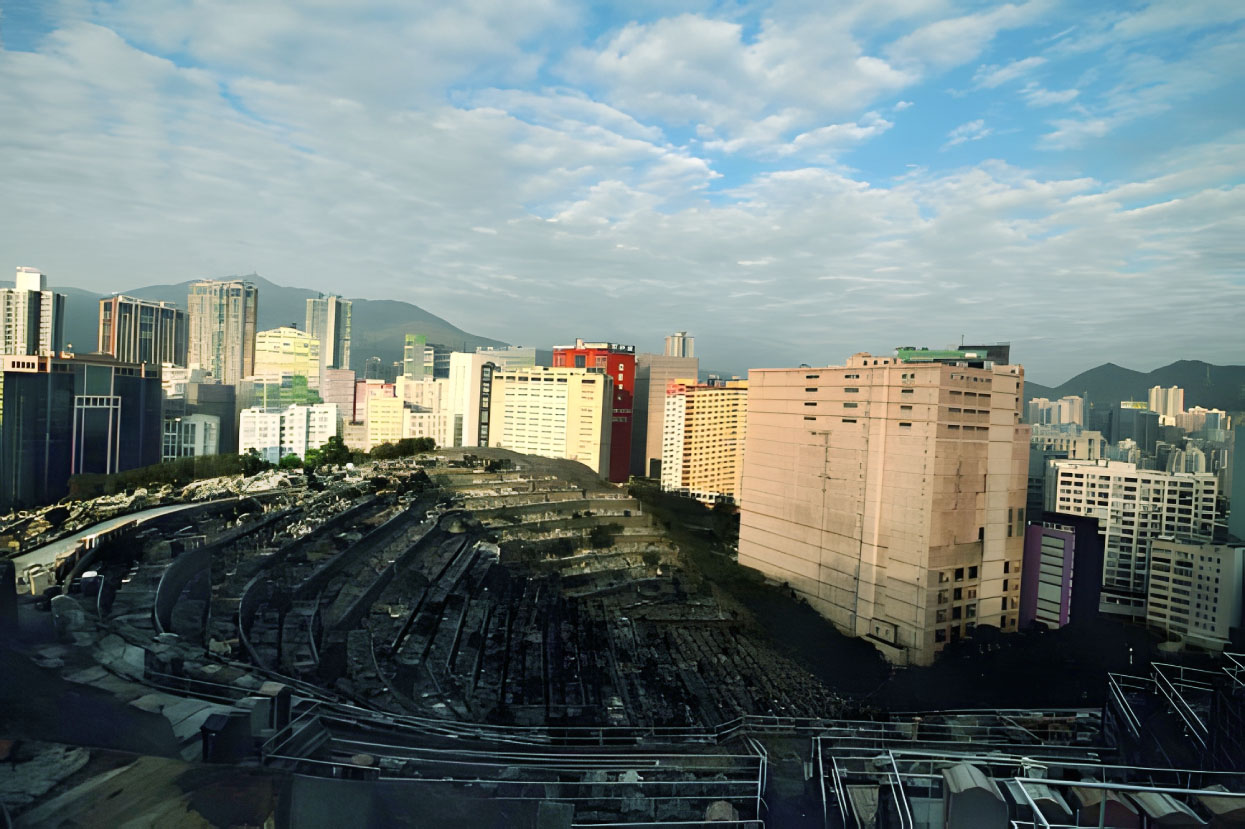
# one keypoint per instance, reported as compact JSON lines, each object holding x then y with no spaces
{"x":822,"y":181}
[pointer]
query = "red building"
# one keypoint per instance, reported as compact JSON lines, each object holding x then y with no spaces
{"x":618,"y":361}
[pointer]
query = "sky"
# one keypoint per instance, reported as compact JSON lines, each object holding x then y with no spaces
{"x":788,"y":182}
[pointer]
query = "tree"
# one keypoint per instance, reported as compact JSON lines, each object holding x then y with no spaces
{"x":313,"y":459}
{"x":335,"y":452}
{"x":291,"y":461}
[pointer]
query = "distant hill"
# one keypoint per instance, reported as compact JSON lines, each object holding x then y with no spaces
{"x":378,"y":326}
{"x":1215,"y":387}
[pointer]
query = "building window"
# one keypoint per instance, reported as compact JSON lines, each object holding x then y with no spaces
{"x":959,"y":574}
{"x":851,"y":389}
{"x":851,"y":405}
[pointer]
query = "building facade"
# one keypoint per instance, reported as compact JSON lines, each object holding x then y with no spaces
{"x":517,"y":356}
{"x":618,"y":361}
{"x":287,"y":350}
{"x":275,"y":433}
{"x":64,"y":416}
{"x":703,"y":439}
{"x":328,"y":321}
{"x":32,"y":318}
{"x":1167,"y":402}
{"x":1133,"y":507}
{"x":222,"y":317}
{"x":190,"y":436}
{"x":652,"y":374}
{"x":139,"y":331}
{"x":469,"y":398}
{"x":1195,"y":591}
{"x":554,"y":412}
{"x":1062,"y":576}
{"x":890,"y":493}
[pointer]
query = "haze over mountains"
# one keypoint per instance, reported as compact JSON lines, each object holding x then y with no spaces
{"x":1211,"y":386}
{"x":378,"y":326}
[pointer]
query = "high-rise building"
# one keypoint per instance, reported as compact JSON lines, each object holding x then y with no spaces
{"x":1131,"y":420}
{"x":679,"y":344}
{"x":652,"y":373}
{"x":1062,"y":576}
{"x":222,"y":328}
{"x":328,"y":320}
{"x":337,"y":386}
{"x":275,"y":433}
{"x":890,"y":493}
{"x":1236,"y":477}
{"x":1195,"y":591}
{"x":287,"y":350}
{"x":1065,"y":410}
{"x":1133,"y":507}
{"x":703,"y":439}
{"x":191,"y":396}
{"x":413,"y":362}
{"x":618,"y":361}
{"x":32,"y":318}
{"x":1168,"y":402}
{"x":555,"y":413}
{"x":469,"y":398}
{"x":66,"y":416}
{"x":140,"y":331}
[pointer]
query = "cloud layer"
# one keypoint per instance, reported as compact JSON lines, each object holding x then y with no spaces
{"x":789,"y":186}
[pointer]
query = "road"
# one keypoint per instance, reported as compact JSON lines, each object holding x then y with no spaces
{"x":48,"y":553}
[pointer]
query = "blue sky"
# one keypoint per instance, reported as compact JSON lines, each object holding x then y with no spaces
{"x":791,"y":182}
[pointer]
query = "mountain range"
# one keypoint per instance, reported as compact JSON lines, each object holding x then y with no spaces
{"x":1211,"y":386}
{"x":378,"y":326}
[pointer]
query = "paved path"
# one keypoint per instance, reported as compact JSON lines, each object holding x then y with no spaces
{"x":48,"y":553}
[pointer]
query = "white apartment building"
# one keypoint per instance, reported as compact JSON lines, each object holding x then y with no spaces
{"x":1065,"y":410}
{"x":1168,"y":402}
{"x":890,"y":493}
{"x":275,"y":433}
{"x":468,"y":403}
{"x":1133,"y":507}
{"x":31,"y":317}
{"x":190,"y":436}
{"x":702,"y":449}
{"x":554,"y":412}
{"x":1079,"y":444}
{"x":1195,"y":590}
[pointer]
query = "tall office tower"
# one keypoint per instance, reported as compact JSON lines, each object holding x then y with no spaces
{"x":1064,"y":411}
{"x":652,"y":374}
{"x":373,"y":369}
{"x":328,"y":320}
{"x":703,"y":439}
{"x":275,"y":433}
{"x":469,"y":398}
{"x":413,"y":354}
{"x":554,"y":412}
{"x":1168,"y":402}
{"x":287,"y":350}
{"x":890,"y":493}
{"x":66,"y":416}
{"x":1195,"y":591}
{"x":679,"y":344}
{"x":222,"y":328}
{"x":1133,"y":507}
{"x":139,"y":331}
{"x":1062,"y":578}
{"x":32,"y":318}
{"x":1131,"y":420}
{"x":618,"y":361}
{"x":1236,"y":475}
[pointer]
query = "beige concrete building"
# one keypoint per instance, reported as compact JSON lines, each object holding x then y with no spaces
{"x":287,"y":350}
{"x":32,"y":318}
{"x":554,"y":412}
{"x":890,"y":493}
{"x":1195,"y":591}
{"x":1133,"y":507}
{"x":703,"y":439}
{"x":653,"y":372}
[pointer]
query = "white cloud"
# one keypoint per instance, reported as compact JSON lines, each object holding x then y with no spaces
{"x":1037,"y":96}
{"x":989,"y":77}
{"x":971,"y":131}
{"x":955,"y":41}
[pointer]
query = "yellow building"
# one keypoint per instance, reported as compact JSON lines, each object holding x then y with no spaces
{"x":702,"y":447}
{"x":554,"y":412}
{"x":890,"y":494}
{"x":386,"y":417}
{"x":290,"y":351}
